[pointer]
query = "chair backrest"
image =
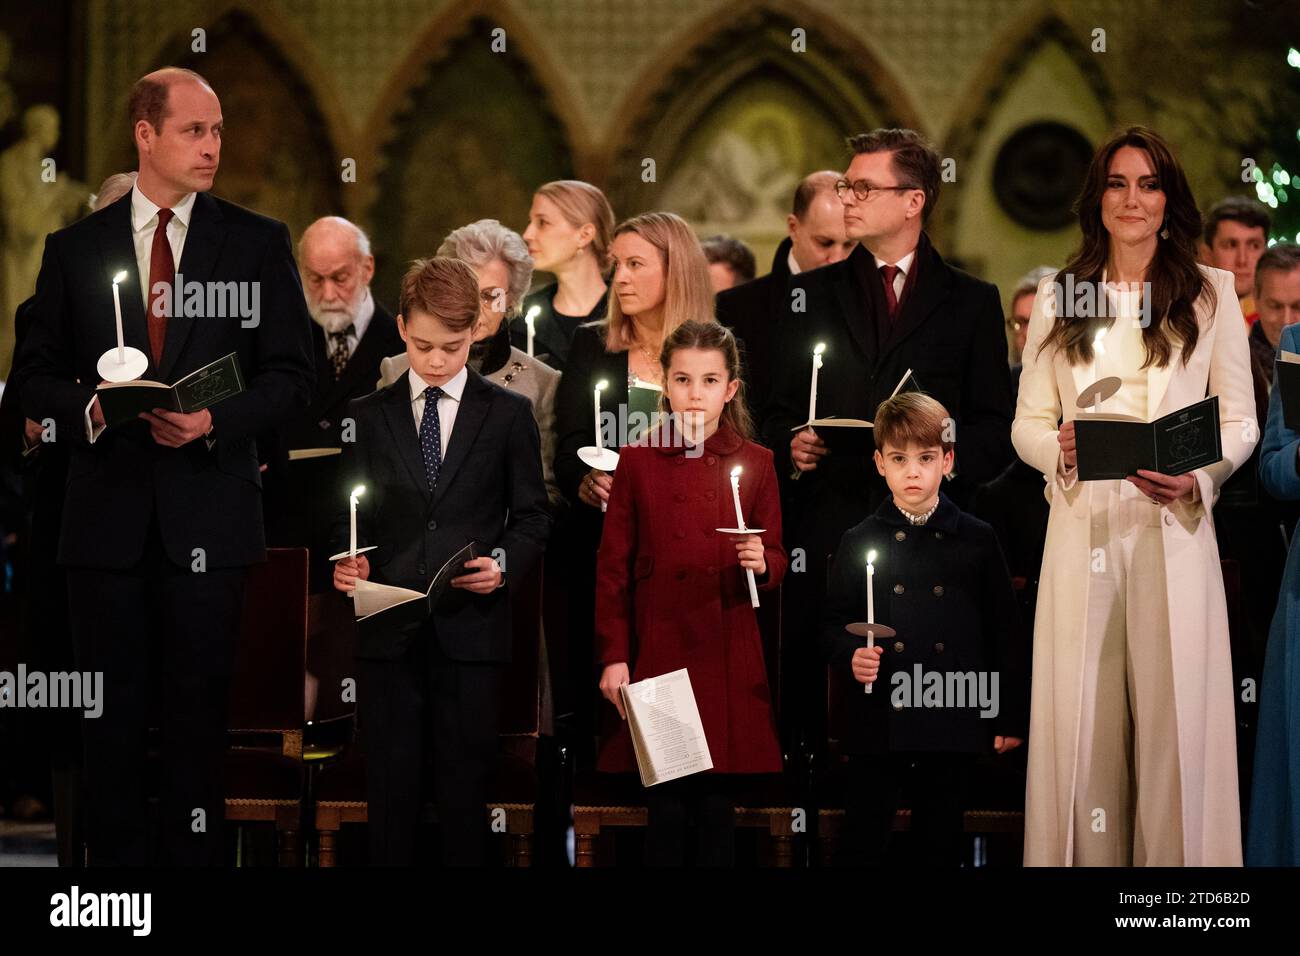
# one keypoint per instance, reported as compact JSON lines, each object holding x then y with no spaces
{"x":266,"y":692}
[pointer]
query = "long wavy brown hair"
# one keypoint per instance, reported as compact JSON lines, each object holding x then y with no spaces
{"x":1176,"y":280}
{"x":710,"y":336}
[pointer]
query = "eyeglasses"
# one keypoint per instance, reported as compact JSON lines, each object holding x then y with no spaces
{"x":863,"y":189}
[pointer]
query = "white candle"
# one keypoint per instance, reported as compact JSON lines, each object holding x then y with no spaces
{"x":600,"y":387}
{"x":871,"y":603}
{"x":735,"y":496}
{"x":529,"y":319}
{"x":740,"y":523}
{"x":812,"y":394}
{"x":117,"y":311}
{"x":352,"y":508}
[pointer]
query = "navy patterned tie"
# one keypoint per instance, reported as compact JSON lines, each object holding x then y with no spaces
{"x":431,"y":435}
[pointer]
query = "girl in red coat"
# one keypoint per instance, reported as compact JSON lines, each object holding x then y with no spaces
{"x":671,"y":591}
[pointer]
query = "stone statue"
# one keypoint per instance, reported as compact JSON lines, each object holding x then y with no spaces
{"x":34,"y":201}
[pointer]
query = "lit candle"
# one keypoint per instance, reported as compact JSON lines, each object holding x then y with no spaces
{"x":600,"y":387}
{"x":740,"y":524}
{"x":352,"y":503}
{"x":871,"y":603}
{"x":117,"y":311}
{"x":529,"y":319}
{"x":735,"y":496}
{"x":812,"y":395}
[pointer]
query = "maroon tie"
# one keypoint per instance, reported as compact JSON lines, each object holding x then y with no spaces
{"x":888,"y":272}
{"x":161,"y":269}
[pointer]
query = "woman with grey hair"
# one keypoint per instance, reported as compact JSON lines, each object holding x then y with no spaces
{"x":504,"y":269}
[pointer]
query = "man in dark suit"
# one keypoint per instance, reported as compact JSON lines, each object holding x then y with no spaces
{"x":756,"y":309}
{"x":162,"y":516}
{"x":892,"y":305}
{"x":351,"y":334}
{"x":446,"y":458}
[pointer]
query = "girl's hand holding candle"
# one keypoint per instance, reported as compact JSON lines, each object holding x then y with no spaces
{"x":749,"y":548}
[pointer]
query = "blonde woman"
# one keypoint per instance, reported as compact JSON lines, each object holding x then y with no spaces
{"x":570,"y":227}
{"x":660,"y":279}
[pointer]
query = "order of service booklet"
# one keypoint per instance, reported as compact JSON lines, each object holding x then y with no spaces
{"x":664,"y":722}
{"x":1174,"y":444}
{"x":124,"y":401}
{"x":386,"y":605}
{"x":1286,"y":378}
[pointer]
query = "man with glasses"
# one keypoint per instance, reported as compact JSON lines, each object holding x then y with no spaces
{"x":756,"y":309}
{"x":892,"y":305}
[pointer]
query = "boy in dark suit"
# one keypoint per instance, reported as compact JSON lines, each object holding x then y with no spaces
{"x":955,"y":676}
{"x":446,"y":458}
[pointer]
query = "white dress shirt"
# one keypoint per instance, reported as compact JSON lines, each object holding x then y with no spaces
{"x":448,"y":404}
{"x":900,"y":277}
{"x":792,"y":264}
{"x":144,"y":223}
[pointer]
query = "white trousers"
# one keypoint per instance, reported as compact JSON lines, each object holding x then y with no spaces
{"x":1128,"y":805}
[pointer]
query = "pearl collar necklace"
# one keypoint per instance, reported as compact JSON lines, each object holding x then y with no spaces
{"x":915,"y":518}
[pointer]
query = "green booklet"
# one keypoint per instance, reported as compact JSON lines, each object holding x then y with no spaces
{"x":123,"y":402}
{"x":642,"y":408}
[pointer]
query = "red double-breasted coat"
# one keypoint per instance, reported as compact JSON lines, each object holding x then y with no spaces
{"x":670,"y":591}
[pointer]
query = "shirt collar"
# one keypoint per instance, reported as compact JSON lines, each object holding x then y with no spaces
{"x":453,"y":389}
{"x":945,"y":516}
{"x":144,"y":210}
{"x":364,"y":314}
{"x":903,"y":264}
{"x":792,"y":263}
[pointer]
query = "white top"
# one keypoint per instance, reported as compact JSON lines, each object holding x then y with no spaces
{"x":448,"y":404}
{"x":1121,"y":354}
{"x":144,"y":223}
{"x":900,"y":277}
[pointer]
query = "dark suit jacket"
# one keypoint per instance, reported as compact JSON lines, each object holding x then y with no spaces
{"x":204,"y":497}
{"x":575,"y":423}
{"x":755,"y":311}
{"x":944,"y":588}
{"x":552,"y":334}
{"x":949,"y":331}
{"x":320,"y":427}
{"x":490,"y":491}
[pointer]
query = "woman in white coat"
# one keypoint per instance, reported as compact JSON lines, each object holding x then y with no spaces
{"x":1132,"y":751}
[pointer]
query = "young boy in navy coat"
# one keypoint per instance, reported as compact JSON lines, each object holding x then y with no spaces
{"x":446,"y":458}
{"x":952,"y":682}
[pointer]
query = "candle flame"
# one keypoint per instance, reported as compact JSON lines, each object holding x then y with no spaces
{"x":358,"y":491}
{"x":871,"y":557}
{"x":821,"y":347}
{"x":120,"y":277}
{"x":602,"y":385}
{"x":533,"y":313}
{"x":735,"y":472}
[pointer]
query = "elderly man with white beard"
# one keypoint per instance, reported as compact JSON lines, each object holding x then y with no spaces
{"x":351,"y":333}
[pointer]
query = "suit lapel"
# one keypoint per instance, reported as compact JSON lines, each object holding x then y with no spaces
{"x":117,"y":248}
{"x":198,"y":258}
{"x":401,"y":422}
{"x":475,"y":401}
{"x":853,"y":306}
{"x":933,"y":281}
{"x":1158,"y":381}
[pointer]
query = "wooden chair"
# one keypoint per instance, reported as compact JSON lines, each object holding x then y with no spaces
{"x":264,"y":776}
